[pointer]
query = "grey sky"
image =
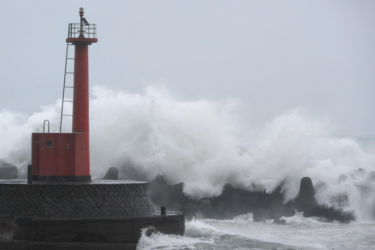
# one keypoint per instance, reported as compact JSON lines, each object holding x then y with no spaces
{"x":273,"y":56}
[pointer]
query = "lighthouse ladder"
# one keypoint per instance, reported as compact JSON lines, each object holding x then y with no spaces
{"x":66,"y":87}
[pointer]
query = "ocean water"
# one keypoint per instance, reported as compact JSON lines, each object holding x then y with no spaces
{"x":242,"y":233}
{"x":203,"y":144}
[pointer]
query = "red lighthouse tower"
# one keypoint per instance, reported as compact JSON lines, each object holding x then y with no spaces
{"x":66,"y":156}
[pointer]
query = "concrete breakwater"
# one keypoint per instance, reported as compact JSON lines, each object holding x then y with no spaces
{"x":235,"y":201}
{"x":101,"y":214}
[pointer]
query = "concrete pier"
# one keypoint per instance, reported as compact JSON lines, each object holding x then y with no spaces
{"x":100,"y":214}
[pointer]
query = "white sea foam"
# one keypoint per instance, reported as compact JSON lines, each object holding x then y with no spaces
{"x":165,"y":241}
{"x":242,"y":233}
{"x":299,"y":233}
{"x":200,"y":144}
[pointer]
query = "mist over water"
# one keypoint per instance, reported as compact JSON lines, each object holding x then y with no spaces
{"x":202,"y":144}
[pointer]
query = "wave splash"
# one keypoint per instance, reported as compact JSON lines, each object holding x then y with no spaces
{"x":202,"y":144}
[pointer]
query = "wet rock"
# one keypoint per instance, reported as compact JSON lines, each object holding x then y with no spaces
{"x":177,"y":194}
{"x":130,"y":170}
{"x":112,"y":174}
{"x":190,"y":210}
{"x":330,"y":213}
{"x":260,"y":215}
{"x":289,"y":211}
{"x":235,"y":201}
{"x":278,"y":210}
{"x":159,"y":191}
{"x":171,"y":196}
{"x":8,"y":171}
{"x":305,"y":200}
{"x":231,"y":202}
{"x":306,"y":187}
{"x":340,"y":200}
{"x":279,"y":222}
{"x":206,"y":208}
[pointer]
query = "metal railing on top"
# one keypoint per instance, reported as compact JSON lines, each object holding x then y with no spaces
{"x":88,"y":31}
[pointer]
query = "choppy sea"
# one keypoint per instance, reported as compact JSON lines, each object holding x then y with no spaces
{"x":204,"y":145}
{"x":242,"y":233}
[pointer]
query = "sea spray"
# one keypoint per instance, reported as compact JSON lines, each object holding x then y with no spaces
{"x":198,"y":143}
{"x":157,"y":240}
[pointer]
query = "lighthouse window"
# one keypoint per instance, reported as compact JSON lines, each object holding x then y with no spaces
{"x":49,"y":144}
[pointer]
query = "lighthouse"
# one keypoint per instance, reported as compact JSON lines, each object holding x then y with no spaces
{"x":59,"y":206}
{"x":66,"y":156}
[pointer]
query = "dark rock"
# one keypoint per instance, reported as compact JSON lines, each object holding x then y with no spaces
{"x":306,"y":203}
{"x":159,"y":191}
{"x":176,"y":206}
{"x":279,"y":222}
{"x":230,"y":203}
{"x":260,"y":215}
{"x":340,"y":200}
{"x":278,"y":210}
{"x":190,"y":210}
{"x":8,"y":171}
{"x":170,"y":196}
{"x":177,"y":193}
{"x":330,"y":213}
{"x":306,"y":188}
{"x":234,"y":201}
{"x":289,"y":211}
{"x":205,"y":207}
{"x":305,"y":200}
{"x":130,"y":170}
{"x":112,"y":174}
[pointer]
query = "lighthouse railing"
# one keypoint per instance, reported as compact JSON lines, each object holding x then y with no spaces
{"x":88,"y":31}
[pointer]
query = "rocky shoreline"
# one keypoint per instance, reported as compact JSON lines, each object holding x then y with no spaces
{"x":235,"y":201}
{"x":231,"y":202}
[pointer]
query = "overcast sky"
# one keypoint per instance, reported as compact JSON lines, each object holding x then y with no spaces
{"x":271,"y":56}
